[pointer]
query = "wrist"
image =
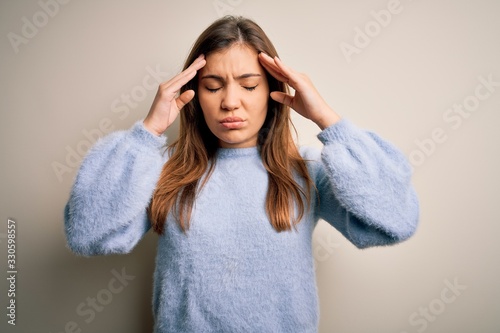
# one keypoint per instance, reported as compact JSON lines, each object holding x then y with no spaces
{"x":145,"y":138}
{"x":150,"y":128}
{"x":328,"y":119}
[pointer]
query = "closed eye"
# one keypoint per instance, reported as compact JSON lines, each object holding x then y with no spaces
{"x":214,"y":90}
{"x":250,"y":88}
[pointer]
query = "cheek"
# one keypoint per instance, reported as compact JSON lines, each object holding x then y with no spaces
{"x":207,"y":104}
{"x":261,"y":103}
{"x":264,"y":96}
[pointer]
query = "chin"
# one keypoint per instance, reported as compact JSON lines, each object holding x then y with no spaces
{"x":235,"y":142}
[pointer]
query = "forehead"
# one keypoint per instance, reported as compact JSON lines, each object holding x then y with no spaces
{"x":236,"y":60}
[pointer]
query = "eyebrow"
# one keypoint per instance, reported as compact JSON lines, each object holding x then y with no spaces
{"x":221,"y":79}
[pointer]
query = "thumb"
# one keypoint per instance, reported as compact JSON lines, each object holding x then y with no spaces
{"x":184,"y":98}
{"x":282,"y":98}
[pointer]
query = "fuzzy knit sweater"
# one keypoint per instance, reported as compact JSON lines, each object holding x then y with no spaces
{"x":232,"y":272}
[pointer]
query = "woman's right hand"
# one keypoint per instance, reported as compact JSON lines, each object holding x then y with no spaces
{"x":166,"y":105}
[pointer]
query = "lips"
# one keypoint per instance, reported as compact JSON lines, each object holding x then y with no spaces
{"x":232,"y":122}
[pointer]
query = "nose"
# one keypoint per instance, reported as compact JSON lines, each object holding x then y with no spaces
{"x":231,"y":98}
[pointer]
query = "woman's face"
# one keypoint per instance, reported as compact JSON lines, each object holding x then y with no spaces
{"x":233,"y":94}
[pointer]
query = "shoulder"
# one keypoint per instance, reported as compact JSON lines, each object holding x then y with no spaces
{"x":310,"y":153}
{"x":312,"y":157}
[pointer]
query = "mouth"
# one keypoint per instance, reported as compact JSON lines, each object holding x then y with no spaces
{"x":232,"y":122}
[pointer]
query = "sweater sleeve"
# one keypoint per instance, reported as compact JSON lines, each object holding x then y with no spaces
{"x":106,"y":210}
{"x":364,"y":186}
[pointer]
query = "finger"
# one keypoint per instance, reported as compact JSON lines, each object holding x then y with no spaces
{"x":199,"y":62}
{"x":289,"y":75}
{"x":287,"y":72}
{"x":186,"y":75}
{"x":184,"y":98}
{"x":267,"y":60}
{"x":169,"y":91}
{"x":276,"y":74}
{"x":174,"y":85}
{"x":282,"y":98}
{"x":274,"y":71}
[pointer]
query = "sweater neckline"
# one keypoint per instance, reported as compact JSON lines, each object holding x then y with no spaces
{"x":236,"y":152}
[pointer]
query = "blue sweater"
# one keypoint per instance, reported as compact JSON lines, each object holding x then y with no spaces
{"x":233,"y":272}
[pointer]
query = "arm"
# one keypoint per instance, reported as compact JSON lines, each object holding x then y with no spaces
{"x":365,"y":187}
{"x":363,"y":181}
{"x":106,"y":211}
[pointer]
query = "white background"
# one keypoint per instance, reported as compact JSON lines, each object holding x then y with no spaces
{"x":69,"y":77}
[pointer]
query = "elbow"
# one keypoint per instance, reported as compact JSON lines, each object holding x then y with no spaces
{"x":82,"y":243}
{"x":87,"y":245}
{"x":404,"y":224}
{"x":402,"y":235}
{"x":409,"y":221}
{"x":82,"y":249}
{"x":375,"y":238}
{"x":77,"y":243}
{"x":83,"y":240}
{"x":380,"y":238}
{"x":401,"y":228}
{"x":89,"y":248}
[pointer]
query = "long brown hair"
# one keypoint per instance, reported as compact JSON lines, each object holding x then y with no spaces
{"x":193,"y":154}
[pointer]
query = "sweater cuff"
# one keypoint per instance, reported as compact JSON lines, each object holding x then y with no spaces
{"x":338,"y":132}
{"x":145,"y":138}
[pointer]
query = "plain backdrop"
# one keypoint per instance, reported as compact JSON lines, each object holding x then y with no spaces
{"x":415,"y":72}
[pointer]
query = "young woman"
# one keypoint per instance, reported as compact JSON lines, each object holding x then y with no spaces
{"x":234,"y":201}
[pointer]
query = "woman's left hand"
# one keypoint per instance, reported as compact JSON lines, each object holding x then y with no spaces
{"x":306,"y":101}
